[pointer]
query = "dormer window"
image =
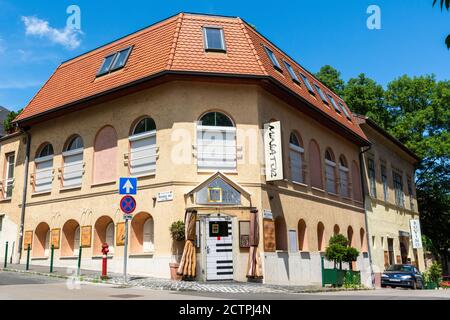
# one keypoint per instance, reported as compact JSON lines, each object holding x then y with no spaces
{"x":273,"y":59}
{"x":291,"y":72}
{"x":322,"y":95}
{"x":333,"y":102}
{"x":214,"y":39}
{"x":345,"y":111}
{"x":307,"y":83}
{"x":114,"y":61}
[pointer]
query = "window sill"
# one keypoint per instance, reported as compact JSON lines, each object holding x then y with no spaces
{"x":145,"y":175}
{"x":142,"y":255}
{"x":299,"y":184}
{"x":5,"y":200}
{"x":110,"y":256}
{"x":318,"y":189}
{"x":70,"y":188}
{"x":333,"y":194}
{"x":101,"y":184}
{"x":42,"y":193}
{"x":215,"y":171}
{"x":69,"y":258}
{"x":39,"y":258}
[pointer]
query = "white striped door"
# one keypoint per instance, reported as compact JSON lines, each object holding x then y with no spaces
{"x":219,"y":249}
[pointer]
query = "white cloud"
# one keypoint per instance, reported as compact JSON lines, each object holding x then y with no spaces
{"x":68,"y":37}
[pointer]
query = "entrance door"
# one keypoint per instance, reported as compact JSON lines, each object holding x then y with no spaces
{"x":219,"y":249}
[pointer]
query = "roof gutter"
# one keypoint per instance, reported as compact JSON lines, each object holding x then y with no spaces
{"x":170,"y":73}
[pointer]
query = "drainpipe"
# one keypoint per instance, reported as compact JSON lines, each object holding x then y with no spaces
{"x":24,"y":194}
{"x":362,"y":176}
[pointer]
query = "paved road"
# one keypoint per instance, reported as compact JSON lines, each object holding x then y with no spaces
{"x":26,"y":286}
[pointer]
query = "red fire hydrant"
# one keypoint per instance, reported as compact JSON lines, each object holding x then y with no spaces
{"x":105,"y":250}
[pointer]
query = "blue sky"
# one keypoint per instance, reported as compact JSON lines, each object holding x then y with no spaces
{"x":315,"y":33}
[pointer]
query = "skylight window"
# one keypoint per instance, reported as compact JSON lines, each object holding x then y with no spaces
{"x":214,"y":39}
{"x":291,"y":72}
{"x":345,"y":111}
{"x":114,"y":61}
{"x":307,"y":83}
{"x":322,"y":95}
{"x":333,"y":102}
{"x":272,"y":58}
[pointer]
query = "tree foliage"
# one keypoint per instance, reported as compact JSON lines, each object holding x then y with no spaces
{"x":7,"y":123}
{"x":330,"y":77}
{"x":415,"y":110}
{"x":445,"y":3}
{"x":339,"y":251}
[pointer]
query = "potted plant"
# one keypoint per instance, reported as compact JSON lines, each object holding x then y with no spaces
{"x":178,"y":237}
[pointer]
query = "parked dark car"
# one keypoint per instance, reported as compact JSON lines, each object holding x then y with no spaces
{"x":402,"y":275}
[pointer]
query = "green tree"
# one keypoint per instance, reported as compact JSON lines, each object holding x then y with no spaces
{"x":331,"y":77}
{"x":7,"y":123}
{"x":447,"y":6}
{"x":420,"y":109}
{"x":364,"y":96}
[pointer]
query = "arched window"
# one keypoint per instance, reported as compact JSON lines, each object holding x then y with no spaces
{"x":105,"y":156}
{"x":43,"y":176}
{"x":41,"y":240}
{"x":142,"y":233}
{"x":73,"y":162}
{"x":350,"y":236}
{"x":296,"y":153}
{"x":143,"y":154}
{"x":70,"y":244}
{"x":330,"y":171}
{"x":336,"y":230}
{"x":302,"y":236}
{"x":356,"y":182}
{"x":103,"y":233}
{"x":280,"y":234}
{"x":343,"y":177}
{"x":315,"y":165}
{"x":362,"y":235}
{"x":216,"y":143}
{"x":320,"y":237}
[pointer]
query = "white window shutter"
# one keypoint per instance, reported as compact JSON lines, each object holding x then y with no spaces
{"x":143,"y":154}
{"x":44,"y":174}
{"x":73,"y":168}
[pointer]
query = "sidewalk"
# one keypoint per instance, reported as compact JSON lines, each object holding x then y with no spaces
{"x":166,"y":284}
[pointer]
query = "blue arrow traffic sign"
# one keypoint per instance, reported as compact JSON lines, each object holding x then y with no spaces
{"x":128,"y":186}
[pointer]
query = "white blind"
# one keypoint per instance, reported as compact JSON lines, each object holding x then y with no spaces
{"x":44,"y":174}
{"x":330,"y":176}
{"x":143,"y":154}
{"x":295,"y":156}
{"x":73,"y":168}
{"x":216,"y":148}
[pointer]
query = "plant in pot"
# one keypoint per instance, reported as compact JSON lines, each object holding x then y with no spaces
{"x":178,"y":237}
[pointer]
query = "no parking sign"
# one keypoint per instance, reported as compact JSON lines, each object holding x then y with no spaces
{"x":128,"y":205}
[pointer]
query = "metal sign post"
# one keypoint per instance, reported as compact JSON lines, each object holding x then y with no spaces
{"x":127,"y":205}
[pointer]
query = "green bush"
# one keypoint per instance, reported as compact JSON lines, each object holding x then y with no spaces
{"x":339,"y":251}
{"x":177,"y":231}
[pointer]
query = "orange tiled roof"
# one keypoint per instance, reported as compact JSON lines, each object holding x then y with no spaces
{"x":176,"y":44}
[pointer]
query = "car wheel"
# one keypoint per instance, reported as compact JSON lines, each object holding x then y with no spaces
{"x":383,"y":286}
{"x":414,"y":285}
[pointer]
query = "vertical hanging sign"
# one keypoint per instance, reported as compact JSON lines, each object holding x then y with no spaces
{"x":416,"y":235}
{"x":273,"y":151}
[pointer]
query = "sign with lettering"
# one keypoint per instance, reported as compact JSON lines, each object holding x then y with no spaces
{"x":55,"y":236}
{"x":28,"y":239}
{"x":273,"y":151}
{"x":165,"y":196}
{"x":269,"y":236}
{"x":86,"y":236}
{"x":416,"y":234}
{"x":267,"y":214}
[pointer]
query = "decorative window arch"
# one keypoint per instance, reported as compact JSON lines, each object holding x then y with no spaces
{"x":336,"y":229}
{"x":143,"y":150}
{"x":344,"y":186}
{"x":315,"y":165}
{"x":363,"y":242}
{"x":320,"y":237}
{"x":330,"y":171}
{"x":216,"y":142}
{"x":105,"y":156}
{"x":350,"y":236}
{"x":296,"y":154}
{"x":302,"y":236}
{"x":73,"y":169}
{"x":280,"y":234}
{"x":43,"y":175}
